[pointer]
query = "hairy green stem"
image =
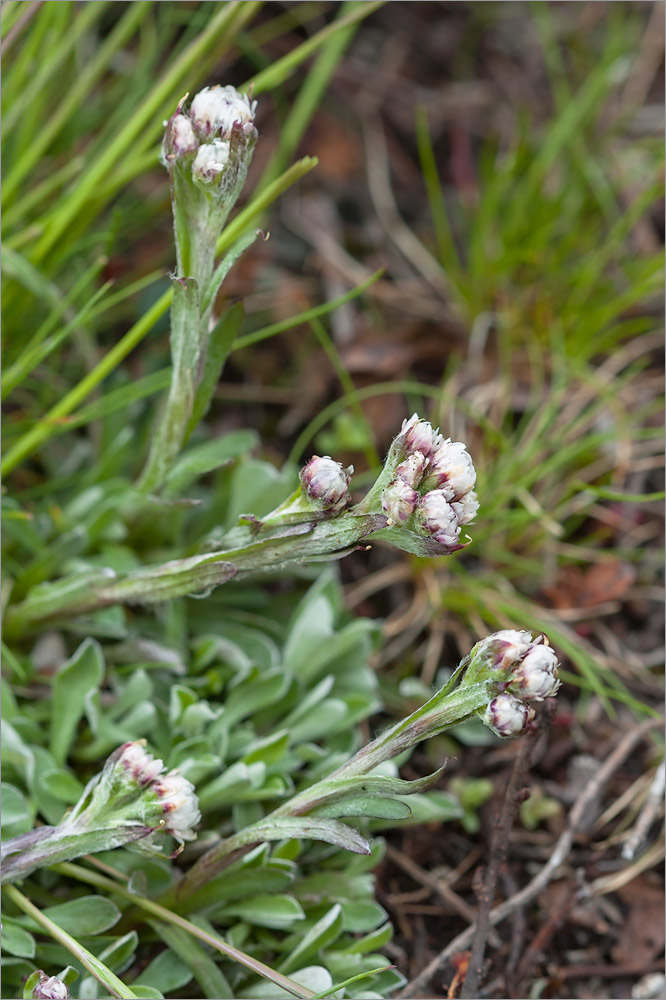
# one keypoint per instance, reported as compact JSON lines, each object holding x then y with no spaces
{"x":298,"y":543}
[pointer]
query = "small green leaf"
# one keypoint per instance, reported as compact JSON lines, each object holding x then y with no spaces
{"x":120,"y":953}
{"x":219,"y":345}
{"x":205,"y":458}
{"x":165,"y":973}
{"x":362,"y":915}
{"x":430,"y":807}
{"x":374,"y":806}
{"x":17,"y":813}
{"x":315,"y":978}
{"x":85,"y":916}
{"x":62,"y":785}
{"x":331,"y":831}
{"x":274,"y":911}
{"x":16,"y":940}
{"x":372,"y":941}
{"x":72,"y":683}
{"x":326,"y":930}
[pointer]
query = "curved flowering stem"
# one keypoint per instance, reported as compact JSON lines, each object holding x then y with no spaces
{"x":315,"y":523}
{"x":207,"y":151}
{"x":129,"y":803}
{"x":508,"y":664}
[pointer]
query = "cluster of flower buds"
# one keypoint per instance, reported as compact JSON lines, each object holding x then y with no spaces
{"x":325,"y":483}
{"x":432,"y":491}
{"x":130,"y":803}
{"x":528,"y":666}
{"x":133,"y":785}
{"x":213,"y":141}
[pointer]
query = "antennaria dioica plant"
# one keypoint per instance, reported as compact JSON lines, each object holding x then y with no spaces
{"x":253,"y":719}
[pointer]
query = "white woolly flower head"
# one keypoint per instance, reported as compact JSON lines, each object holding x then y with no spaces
{"x":215,"y":110}
{"x":399,"y":501}
{"x":211,"y":160}
{"x":325,"y":482}
{"x":411,"y":471}
{"x":49,"y":988}
{"x":419,"y":435}
{"x":139,"y":764}
{"x":466,"y":508}
{"x":535,"y":678}
{"x":507,"y":715}
{"x":179,"y":137}
{"x":178,"y":804}
{"x":437,"y":517}
{"x":451,"y":469}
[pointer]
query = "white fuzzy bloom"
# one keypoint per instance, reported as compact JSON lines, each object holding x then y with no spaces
{"x":139,"y":764}
{"x":215,"y":110}
{"x":49,"y":988}
{"x":438,"y":517}
{"x":211,"y":160}
{"x":399,"y":501}
{"x":419,"y":435}
{"x":506,"y":648}
{"x":452,"y":470}
{"x":466,"y":508}
{"x":180,"y":137}
{"x":326,"y":482}
{"x":535,"y":677}
{"x":507,"y":715}
{"x":412,"y":469}
{"x":179,"y":805}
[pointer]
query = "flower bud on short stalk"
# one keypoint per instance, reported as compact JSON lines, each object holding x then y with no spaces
{"x":326,"y":482}
{"x":507,"y":715}
{"x":535,"y":677}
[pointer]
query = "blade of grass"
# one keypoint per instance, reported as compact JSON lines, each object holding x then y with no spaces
{"x":282,"y":69}
{"x":124,"y":29}
{"x":33,"y":355}
{"x":307,"y":316}
{"x":96,"y":968}
{"x":320,"y":332}
{"x":310,"y":94}
{"x":212,"y":940}
{"x":50,"y":63}
{"x":448,"y":254}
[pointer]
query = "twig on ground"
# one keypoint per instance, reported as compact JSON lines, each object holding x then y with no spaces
{"x":435,"y":885}
{"x":577,"y":821}
{"x":648,"y":814}
{"x":516,"y":793}
{"x":518,"y":929}
{"x":538,"y":944}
